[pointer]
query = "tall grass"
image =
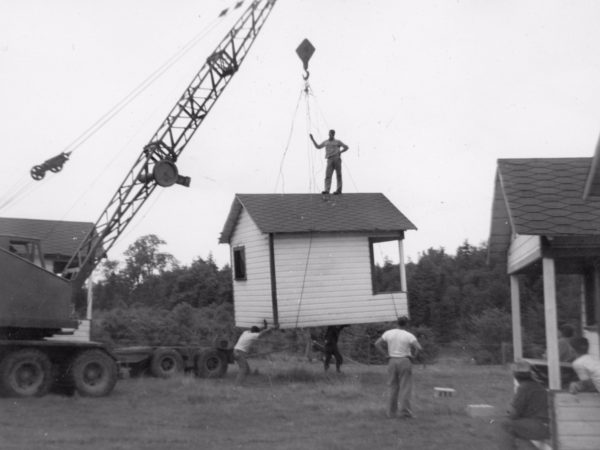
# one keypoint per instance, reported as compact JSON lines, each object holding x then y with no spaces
{"x":287,"y":403}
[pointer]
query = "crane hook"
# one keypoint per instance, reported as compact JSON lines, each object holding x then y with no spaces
{"x":305,"y":51}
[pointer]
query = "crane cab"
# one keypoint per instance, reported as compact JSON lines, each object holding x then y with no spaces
{"x":24,"y":247}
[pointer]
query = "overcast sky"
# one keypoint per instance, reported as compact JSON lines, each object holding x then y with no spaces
{"x":427,"y":94}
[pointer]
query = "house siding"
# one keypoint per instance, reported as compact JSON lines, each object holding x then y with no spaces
{"x":523,"y":251}
{"x":252,"y":295}
{"x":325,"y":279}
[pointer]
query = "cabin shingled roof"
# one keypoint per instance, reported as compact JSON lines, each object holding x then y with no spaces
{"x":57,"y":237}
{"x":302,"y":213}
{"x":544,"y":197}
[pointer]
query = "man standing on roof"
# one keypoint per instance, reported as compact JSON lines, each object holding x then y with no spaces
{"x":333,"y":151}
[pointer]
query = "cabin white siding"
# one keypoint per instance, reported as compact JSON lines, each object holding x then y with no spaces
{"x":325,"y":279}
{"x":575,"y":421}
{"x":252,"y":295}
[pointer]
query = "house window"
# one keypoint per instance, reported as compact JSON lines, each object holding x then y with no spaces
{"x":385,"y":265}
{"x":239,"y":263}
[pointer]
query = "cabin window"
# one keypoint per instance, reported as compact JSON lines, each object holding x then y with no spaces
{"x":239,"y":263}
{"x":385,"y":265}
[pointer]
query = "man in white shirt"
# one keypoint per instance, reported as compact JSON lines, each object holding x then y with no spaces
{"x":242,"y":348}
{"x":587,"y":368}
{"x":399,"y":346}
{"x":333,"y":153}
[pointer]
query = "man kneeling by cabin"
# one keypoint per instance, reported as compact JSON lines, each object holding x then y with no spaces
{"x":528,"y":413}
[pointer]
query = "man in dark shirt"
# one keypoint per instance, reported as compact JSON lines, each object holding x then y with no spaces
{"x":528,"y":413}
{"x":331,"y":348}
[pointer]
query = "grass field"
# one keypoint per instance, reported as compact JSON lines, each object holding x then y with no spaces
{"x":289,"y":404}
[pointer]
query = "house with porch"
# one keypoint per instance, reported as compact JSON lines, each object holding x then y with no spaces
{"x":304,"y":260}
{"x":58,"y":239}
{"x":546,"y":220}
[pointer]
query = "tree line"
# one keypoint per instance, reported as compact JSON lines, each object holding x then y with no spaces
{"x":151,"y":299}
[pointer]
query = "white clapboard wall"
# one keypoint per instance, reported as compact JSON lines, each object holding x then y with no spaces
{"x":575,"y":421}
{"x":321,"y":279}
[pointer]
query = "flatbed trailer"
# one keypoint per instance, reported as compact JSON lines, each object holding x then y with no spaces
{"x":169,"y":361}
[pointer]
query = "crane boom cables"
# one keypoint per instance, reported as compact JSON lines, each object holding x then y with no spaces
{"x":287,"y":146}
{"x":155,"y":165}
{"x":23,"y":186}
{"x":148,"y":81}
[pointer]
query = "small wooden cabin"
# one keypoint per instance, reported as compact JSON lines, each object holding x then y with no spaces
{"x":303,"y":260}
{"x":546,"y":219}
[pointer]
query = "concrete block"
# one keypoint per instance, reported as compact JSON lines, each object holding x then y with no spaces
{"x":480,"y":410}
{"x":443,"y":392}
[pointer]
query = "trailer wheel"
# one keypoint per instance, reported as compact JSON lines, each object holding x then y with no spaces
{"x":166,"y":363}
{"x":210,"y":364}
{"x":26,"y":373}
{"x":94,"y":373}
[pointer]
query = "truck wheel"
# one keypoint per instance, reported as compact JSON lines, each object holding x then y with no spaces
{"x":210,"y":364}
{"x":26,"y":373}
{"x":166,"y":363}
{"x":94,"y":373}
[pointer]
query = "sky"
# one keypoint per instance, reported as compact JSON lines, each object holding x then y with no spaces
{"x":427,"y":95}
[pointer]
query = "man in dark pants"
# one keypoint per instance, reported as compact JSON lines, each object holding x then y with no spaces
{"x":333,"y":151}
{"x":242,"y":348}
{"x":332,"y":335}
{"x":528,"y":413}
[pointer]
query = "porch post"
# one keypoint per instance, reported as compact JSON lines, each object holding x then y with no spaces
{"x":403,"y":284}
{"x":597,"y":300}
{"x":515,"y":309}
{"x":551,"y":322}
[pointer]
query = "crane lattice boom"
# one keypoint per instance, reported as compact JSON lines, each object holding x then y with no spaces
{"x":156,"y":163}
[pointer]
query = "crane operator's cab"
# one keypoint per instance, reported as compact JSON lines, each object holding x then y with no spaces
{"x":35,"y":304}
{"x":24,"y":247}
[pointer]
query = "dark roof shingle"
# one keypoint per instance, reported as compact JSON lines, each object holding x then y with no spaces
{"x":299,"y":213}
{"x":543,"y":197}
{"x":57,"y":237}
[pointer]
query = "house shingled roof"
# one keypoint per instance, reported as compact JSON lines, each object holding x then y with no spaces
{"x":543,"y":197}
{"x":301,"y":213}
{"x":57,"y":237}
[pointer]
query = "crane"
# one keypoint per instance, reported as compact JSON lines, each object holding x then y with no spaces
{"x":36,"y":303}
{"x":156,"y":164}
